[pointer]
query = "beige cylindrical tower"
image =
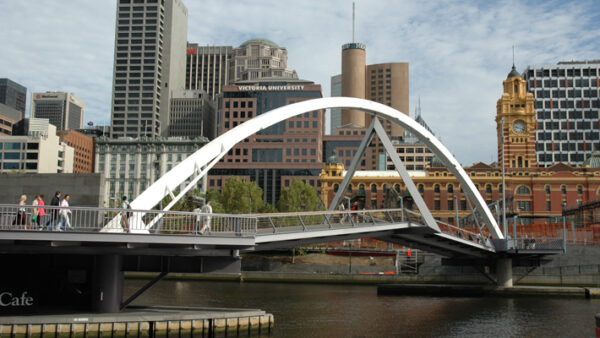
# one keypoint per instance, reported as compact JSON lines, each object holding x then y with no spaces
{"x":354,"y":58}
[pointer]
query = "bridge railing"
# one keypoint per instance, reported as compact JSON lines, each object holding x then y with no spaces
{"x":322,"y":220}
{"x":87,"y":219}
{"x":483,"y":238}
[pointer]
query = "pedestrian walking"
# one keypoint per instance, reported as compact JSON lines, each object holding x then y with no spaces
{"x":65,"y":213}
{"x":54,"y":212}
{"x":206,"y":211}
{"x":125,"y":214}
{"x":21,"y":217}
{"x":41,"y":211}
{"x":35,"y":220}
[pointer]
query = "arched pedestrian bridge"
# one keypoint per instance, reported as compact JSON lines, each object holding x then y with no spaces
{"x":167,"y":241}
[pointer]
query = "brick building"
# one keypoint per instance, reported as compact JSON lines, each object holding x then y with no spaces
{"x":83,"y":159}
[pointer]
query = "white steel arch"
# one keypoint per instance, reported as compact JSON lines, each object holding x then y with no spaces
{"x":201,"y":161}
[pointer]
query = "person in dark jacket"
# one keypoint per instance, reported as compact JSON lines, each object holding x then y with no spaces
{"x":54,"y":211}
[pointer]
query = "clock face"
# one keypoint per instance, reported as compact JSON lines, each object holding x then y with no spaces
{"x":519,"y":127}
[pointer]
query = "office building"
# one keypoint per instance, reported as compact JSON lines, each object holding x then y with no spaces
{"x":129,"y":166}
{"x":354,"y":58}
{"x":193,"y":114}
{"x":63,"y":110}
{"x":207,"y":68}
{"x":335,"y":113}
{"x":8,"y":118}
{"x":36,"y":149}
{"x":13,"y":95}
{"x":276,"y":155}
{"x":83,"y":146}
{"x":258,"y":59}
{"x":567,"y":103}
{"x":150,"y":49}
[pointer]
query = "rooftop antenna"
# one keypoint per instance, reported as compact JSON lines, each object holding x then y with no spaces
{"x":513,"y":56}
{"x":352,"y":21}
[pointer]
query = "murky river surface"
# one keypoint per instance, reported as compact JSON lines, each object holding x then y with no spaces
{"x":313,"y":310}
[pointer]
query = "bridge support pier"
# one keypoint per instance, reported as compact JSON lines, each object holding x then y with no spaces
{"x":107,"y":283}
{"x":504,"y":272}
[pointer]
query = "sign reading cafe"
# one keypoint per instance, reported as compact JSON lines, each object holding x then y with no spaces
{"x":272,"y":88}
{"x":8,"y":299}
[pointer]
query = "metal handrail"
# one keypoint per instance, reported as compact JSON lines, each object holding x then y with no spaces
{"x":88,"y":219}
{"x":322,"y":220}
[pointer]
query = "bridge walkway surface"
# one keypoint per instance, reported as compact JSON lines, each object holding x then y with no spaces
{"x":105,"y":230}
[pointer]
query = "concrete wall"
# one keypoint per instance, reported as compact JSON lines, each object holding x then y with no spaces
{"x":85,"y":189}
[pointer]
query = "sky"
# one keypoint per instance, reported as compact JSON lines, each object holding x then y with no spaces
{"x":459,"y":52}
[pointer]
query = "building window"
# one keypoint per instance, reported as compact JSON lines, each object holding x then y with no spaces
{"x":422,"y":189}
{"x":450,"y":204}
{"x":547,"y":188}
{"x":373,"y":188}
{"x":436,"y":205}
{"x":436,"y":189}
{"x":563,"y":189}
{"x":488,"y":189}
{"x":463,"y":204}
{"x":524,"y":205}
{"x":450,"y":188}
{"x":548,"y":206}
{"x":523,"y":190}
{"x":579,"y":190}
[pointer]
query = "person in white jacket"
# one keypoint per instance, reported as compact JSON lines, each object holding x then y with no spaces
{"x":64,"y":214}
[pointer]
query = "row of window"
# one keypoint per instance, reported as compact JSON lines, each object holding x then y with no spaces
{"x":563,"y":115}
{"x":562,"y":72}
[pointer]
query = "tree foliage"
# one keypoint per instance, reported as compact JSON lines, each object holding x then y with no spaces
{"x":299,"y":197}
{"x":241,"y":197}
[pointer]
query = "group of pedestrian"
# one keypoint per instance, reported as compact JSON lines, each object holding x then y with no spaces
{"x":56,"y":219}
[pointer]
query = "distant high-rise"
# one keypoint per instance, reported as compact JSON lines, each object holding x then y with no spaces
{"x":354,"y":58}
{"x":63,"y":110}
{"x":567,"y":106}
{"x":336,"y":113}
{"x":193,"y":114}
{"x":13,"y":95}
{"x":207,"y":68}
{"x":258,"y":59}
{"x":150,"y":47}
{"x":387,"y":83}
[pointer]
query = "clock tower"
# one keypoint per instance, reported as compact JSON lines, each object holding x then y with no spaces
{"x":515,"y":124}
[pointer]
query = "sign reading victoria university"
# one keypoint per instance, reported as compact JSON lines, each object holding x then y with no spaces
{"x":270,"y":88}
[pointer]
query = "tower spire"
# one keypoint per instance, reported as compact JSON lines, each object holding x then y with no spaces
{"x":353,"y":22}
{"x":513,"y":48}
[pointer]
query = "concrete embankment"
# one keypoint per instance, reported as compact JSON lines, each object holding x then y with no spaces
{"x":142,"y":322}
{"x":447,"y":290}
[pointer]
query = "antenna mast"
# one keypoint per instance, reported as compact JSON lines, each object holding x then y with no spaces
{"x":352,"y":21}
{"x":513,"y":55}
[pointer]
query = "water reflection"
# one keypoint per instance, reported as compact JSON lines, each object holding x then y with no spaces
{"x":311,"y":310}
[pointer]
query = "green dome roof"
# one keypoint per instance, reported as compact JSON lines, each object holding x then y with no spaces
{"x":436,"y":162}
{"x":333,"y":159}
{"x":262,"y":41}
{"x":513,"y":73}
{"x":593,"y":161}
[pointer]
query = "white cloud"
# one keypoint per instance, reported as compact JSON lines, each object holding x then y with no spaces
{"x":459,"y":52}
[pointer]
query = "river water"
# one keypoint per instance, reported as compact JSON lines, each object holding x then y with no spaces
{"x":314,"y":310}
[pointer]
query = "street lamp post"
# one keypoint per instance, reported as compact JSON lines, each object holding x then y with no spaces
{"x":456,"y":210}
{"x":504,"y":225}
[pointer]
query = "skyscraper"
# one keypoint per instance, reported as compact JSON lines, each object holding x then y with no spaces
{"x":567,"y":104}
{"x":354,"y":58}
{"x":13,"y":95}
{"x":150,"y":47}
{"x":207,"y":68}
{"x":63,"y":110}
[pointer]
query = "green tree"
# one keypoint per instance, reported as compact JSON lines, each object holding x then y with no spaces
{"x":241,"y":197}
{"x":214,"y":196}
{"x":299,"y":197}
